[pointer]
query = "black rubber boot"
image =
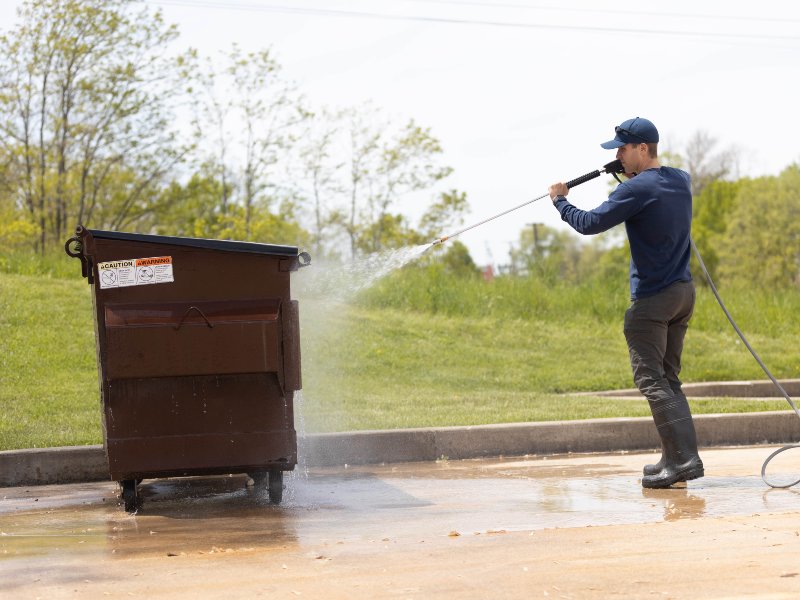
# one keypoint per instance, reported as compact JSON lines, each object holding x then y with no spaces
{"x":679,"y":443}
{"x":681,"y":399}
{"x":653,"y":469}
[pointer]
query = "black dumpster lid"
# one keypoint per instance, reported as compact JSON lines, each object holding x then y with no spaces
{"x":225,"y":245}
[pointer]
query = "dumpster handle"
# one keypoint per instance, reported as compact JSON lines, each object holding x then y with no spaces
{"x":77,"y":252}
{"x":86,"y":269}
{"x":186,"y":314}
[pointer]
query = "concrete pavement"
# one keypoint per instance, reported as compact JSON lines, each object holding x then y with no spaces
{"x":577,"y":526}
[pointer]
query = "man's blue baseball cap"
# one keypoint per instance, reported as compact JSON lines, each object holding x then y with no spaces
{"x":633,"y":131}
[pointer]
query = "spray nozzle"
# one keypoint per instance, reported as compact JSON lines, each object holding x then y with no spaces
{"x":615,"y":168}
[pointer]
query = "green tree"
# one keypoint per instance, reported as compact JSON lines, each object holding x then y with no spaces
{"x":457,"y":260}
{"x":706,"y":164}
{"x":561,"y":255}
{"x":85,"y":111}
{"x":190,"y":209}
{"x":712,"y":210}
{"x":360,"y":168}
{"x":321,"y":163}
{"x":248,"y":119}
{"x":444,"y":214}
{"x":16,"y":232}
{"x":193,"y":209}
{"x":407,"y":164}
{"x":388,"y":231}
{"x":386,"y":165}
{"x":761,"y":245}
{"x":544,"y":251}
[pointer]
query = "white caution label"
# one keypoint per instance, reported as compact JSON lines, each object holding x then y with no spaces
{"x":135,"y":271}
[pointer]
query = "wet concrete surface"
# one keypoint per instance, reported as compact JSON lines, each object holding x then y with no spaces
{"x":404,"y":530}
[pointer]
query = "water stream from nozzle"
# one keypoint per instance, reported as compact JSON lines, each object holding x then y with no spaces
{"x":326,"y":292}
{"x":342,"y":281}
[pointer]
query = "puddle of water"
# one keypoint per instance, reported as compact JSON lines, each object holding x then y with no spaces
{"x":392,"y":502}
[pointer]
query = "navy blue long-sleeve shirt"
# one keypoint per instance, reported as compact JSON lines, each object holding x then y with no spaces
{"x":656,"y":207}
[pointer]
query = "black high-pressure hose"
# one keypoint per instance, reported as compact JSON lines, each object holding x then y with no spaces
{"x":760,"y":363}
{"x":614,"y":168}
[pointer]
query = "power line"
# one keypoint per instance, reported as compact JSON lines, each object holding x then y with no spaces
{"x":325,"y":12}
{"x":626,"y":13}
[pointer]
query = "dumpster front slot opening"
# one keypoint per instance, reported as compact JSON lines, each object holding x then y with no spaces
{"x":175,"y":313}
{"x":172,"y":339}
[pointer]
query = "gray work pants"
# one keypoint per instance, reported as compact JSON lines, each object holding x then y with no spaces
{"x":654,"y":329}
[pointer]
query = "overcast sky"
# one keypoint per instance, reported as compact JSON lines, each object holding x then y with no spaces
{"x":521,"y":93}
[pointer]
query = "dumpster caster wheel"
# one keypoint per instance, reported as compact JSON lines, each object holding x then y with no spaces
{"x":272,"y":480}
{"x":129,"y":496}
{"x":275,"y":486}
{"x":259,"y":479}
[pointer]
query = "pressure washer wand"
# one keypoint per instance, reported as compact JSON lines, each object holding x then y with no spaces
{"x":612,"y":167}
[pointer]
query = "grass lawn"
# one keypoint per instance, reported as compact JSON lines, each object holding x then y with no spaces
{"x":368,"y":367}
{"x":48,"y":374}
{"x":374,"y":369}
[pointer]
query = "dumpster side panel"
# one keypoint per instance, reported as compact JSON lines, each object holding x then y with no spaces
{"x":291,"y":346}
{"x":194,"y":350}
{"x":166,"y":406}
{"x":192,"y":370}
{"x":210,"y":454}
{"x":206,"y":424}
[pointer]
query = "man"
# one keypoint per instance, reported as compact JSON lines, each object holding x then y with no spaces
{"x":655,"y":204}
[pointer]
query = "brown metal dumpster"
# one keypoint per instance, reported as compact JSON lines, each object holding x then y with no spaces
{"x":198,"y":353}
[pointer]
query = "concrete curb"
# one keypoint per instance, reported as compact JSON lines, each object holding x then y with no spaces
{"x":88,"y":463}
{"x":718,"y":389}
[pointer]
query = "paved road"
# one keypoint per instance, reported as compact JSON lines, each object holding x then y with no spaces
{"x":576,"y":526}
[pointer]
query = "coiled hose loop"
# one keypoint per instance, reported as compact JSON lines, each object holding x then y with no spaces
{"x":758,"y":360}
